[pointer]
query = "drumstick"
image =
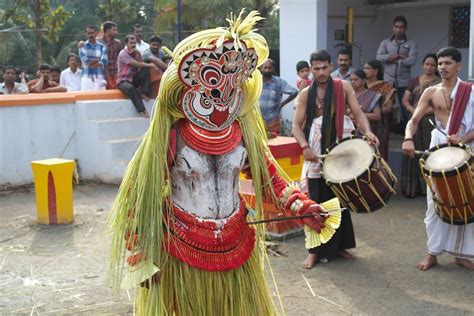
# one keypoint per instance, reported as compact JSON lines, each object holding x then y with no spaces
{"x":438,"y":128}
{"x":422,"y":152}
{"x":287,"y":218}
{"x":341,"y":153}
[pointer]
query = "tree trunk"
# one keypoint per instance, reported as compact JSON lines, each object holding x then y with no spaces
{"x":38,"y":31}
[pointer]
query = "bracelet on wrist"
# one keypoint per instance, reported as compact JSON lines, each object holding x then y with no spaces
{"x":408,"y":139}
{"x":305,"y":146}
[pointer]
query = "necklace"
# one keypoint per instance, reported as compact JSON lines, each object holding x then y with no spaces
{"x":448,"y":104}
{"x":319,"y":102}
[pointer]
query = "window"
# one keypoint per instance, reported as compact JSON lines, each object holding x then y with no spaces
{"x":459,"y":27}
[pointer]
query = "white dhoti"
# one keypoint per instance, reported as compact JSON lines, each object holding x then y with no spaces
{"x":443,"y":237}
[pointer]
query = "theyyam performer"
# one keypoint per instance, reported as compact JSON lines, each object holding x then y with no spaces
{"x":179,"y":222}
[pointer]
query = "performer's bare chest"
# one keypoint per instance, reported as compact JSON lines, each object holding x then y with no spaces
{"x":207,"y":185}
{"x":441,"y":103}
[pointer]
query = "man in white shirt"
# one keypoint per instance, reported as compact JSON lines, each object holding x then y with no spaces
{"x":71,"y":77}
{"x":138,"y":33}
{"x":9,"y":86}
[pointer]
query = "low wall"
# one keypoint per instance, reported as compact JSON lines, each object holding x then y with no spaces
{"x":41,"y":126}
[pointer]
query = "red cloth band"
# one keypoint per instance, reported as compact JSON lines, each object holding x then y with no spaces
{"x":459,"y":106}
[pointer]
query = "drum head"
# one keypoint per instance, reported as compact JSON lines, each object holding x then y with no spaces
{"x":348,"y":160}
{"x":446,"y":158}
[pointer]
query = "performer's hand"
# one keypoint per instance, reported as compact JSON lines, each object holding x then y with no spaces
{"x":309,"y":155}
{"x":454,"y":139}
{"x":372,"y":139}
{"x":316,"y":222}
{"x":408,"y":148}
{"x":154,"y":279}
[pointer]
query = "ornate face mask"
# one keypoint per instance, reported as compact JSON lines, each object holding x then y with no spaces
{"x":213,"y":78}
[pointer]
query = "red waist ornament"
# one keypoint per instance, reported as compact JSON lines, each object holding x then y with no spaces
{"x":212,"y":245}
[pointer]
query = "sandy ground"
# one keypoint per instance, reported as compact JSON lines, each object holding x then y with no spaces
{"x":61,"y":270}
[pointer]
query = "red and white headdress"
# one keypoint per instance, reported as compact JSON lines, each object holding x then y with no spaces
{"x":213,"y":96}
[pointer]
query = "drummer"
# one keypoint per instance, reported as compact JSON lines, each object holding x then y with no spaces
{"x":315,"y":130}
{"x":453,"y":104}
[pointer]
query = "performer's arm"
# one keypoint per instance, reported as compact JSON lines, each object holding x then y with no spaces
{"x":359,"y":115}
{"x":292,"y":201}
{"x":408,"y":146}
{"x":299,"y":119}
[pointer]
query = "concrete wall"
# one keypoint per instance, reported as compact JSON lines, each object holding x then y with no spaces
{"x":101,"y":134}
{"x":298,"y":19}
{"x":33,"y":133}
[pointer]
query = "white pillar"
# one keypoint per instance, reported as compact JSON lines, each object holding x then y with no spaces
{"x":303,"y":29}
{"x":471,"y":44}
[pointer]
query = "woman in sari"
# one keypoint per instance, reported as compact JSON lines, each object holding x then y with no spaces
{"x":369,"y":101}
{"x":374,"y":71}
{"x":413,"y":183}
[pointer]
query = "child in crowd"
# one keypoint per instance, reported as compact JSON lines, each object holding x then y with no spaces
{"x":302,"y":69}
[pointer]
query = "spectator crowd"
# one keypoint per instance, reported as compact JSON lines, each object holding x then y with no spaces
{"x":380,"y":86}
{"x":384,"y":88}
{"x":102,"y":62}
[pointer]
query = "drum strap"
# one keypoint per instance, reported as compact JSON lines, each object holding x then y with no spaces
{"x":333,"y":112}
{"x":459,"y":106}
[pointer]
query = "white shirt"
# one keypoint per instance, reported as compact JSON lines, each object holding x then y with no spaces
{"x":18,"y":88}
{"x":70,"y":80}
{"x":142,"y":46}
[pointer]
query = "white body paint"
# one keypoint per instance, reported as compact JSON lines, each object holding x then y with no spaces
{"x":207,"y":185}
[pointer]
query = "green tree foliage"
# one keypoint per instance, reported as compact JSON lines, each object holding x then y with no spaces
{"x":47,"y":30}
{"x":200,"y":14}
{"x":39,"y":15}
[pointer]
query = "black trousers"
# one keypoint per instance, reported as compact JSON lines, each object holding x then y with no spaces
{"x":344,"y":236}
{"x":141,"y":81}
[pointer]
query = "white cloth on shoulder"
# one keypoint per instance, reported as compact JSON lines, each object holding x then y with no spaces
{"x":443,"y":237}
